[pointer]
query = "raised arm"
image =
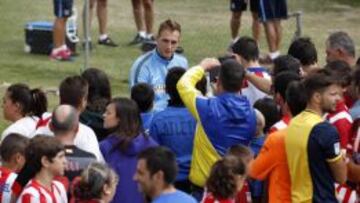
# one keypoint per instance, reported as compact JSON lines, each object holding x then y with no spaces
{"x":262,"y":84}
{"x":186,"y":84}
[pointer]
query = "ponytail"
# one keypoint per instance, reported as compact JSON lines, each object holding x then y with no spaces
{"x":32,"y":102}
{"x":39,"y":102}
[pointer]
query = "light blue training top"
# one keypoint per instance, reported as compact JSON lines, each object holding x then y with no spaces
{"x":151,"y":68}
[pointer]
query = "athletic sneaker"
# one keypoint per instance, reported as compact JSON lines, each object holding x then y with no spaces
{"x":179,"y":50}
{"x":137,"y":40}
{"x":107,"y":42}
{"x":63,"y":55}
{"x":148,"y":45}
{"x":68,"y":51}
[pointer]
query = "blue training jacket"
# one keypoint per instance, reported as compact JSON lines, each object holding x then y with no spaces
{"x":223,"y":121}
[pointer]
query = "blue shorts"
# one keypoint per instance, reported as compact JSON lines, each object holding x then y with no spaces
{"x":63,"y":8}
{"x":272,"y":10}
{"x":241,"y":5}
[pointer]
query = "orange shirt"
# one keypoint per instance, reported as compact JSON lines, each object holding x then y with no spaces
{"x":271,"y":163}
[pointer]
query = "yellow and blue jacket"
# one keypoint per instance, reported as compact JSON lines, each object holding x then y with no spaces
{"x":311,"y":144}
{"x":222,"y":121}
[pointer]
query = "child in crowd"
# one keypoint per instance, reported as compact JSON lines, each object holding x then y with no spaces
{"x":270,"y":111}
{"x":227,"y":177}
{"x":12,"y":152}
{"x":245,"y":155}
{"x":143,"y":94}
{"x":96,"y":184}
{"x":258,"y":140}
{"x":45,"y":157}
{"x":256,"y":187}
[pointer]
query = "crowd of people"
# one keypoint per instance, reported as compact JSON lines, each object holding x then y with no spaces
{"x":228,"y":130}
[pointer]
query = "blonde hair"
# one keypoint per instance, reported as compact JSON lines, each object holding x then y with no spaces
{"x":169,"y":25}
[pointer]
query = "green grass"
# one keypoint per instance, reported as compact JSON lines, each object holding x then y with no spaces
{"x":205,"y":33}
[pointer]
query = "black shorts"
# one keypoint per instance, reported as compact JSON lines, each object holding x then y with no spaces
{"x":272,"y":9}
{"x":241,"y":5}
{"x":63,"y":8}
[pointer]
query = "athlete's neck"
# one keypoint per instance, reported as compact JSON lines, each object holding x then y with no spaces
{"x":66,"y":138}
{"x":315,"y":109}
{"x":249,"y":64}
{"x":11,"y":166}
{"x":44,"y":177}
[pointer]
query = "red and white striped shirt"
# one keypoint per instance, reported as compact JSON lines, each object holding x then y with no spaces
{"x":7,"y":179}
{"x":345,"y":194}
{"x":341,"y":119}
{"x":34,"y":192}
{"x":281,"y":124}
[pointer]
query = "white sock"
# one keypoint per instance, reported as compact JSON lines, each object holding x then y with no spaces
{"x":235,"y":40}
{"x":142,"y":34}
{"x":63,"y":47}
{"x":274,"y":55}
{"x":103,"y":37}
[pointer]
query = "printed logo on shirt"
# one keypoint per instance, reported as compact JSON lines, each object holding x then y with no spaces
{"x":337,"y":148}
{"x":4,"y":187}
{"x":159,"y":88}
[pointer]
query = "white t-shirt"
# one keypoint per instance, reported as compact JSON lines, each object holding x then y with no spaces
{"x":24,"y":126}
{"x":249,"y":90}
{"x":85,"y":138}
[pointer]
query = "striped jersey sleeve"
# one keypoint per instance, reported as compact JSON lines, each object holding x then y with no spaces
{"x":7,"y":179}
{"x":342,"y":121}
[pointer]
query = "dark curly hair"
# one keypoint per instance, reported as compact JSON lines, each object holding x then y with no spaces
{"x":222,"y":182}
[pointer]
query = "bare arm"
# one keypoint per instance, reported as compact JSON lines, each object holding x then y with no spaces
{"x":259,"y":82}
{"x":353,"y":172}
{"x":338,"y":169}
